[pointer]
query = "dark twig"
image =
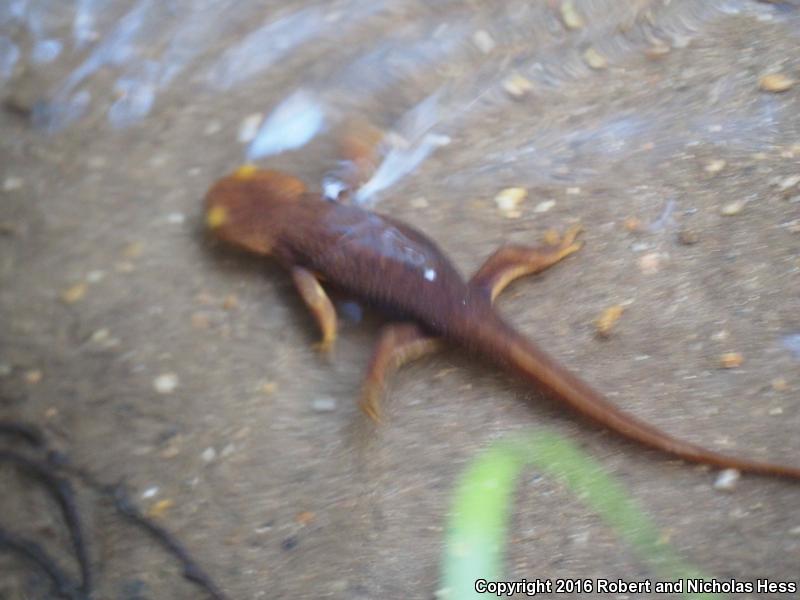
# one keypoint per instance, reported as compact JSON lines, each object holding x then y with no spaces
{"x":28,"y":433}
{"x":64,"y":586}
{"x":62,"y":491}
{"x":125,"y":506}
{"x":191,"y":570}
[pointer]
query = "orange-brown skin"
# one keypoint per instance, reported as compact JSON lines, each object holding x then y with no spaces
{"x":393,"y":266}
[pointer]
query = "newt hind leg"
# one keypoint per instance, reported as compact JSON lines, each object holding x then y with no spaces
{"x":399,"y":343}
{"x":514,"y":261}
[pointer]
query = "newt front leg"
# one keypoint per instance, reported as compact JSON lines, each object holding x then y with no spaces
{"x":319,"y":304}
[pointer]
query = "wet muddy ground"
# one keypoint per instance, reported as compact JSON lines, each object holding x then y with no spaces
{"x":153,"y":355}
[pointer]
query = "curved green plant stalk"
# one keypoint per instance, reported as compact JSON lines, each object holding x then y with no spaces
{"x":477,"y":531}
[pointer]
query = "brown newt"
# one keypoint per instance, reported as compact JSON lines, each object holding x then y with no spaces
{"x":393,"y":266}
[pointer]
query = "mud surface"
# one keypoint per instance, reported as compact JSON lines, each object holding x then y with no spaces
{"x":155,"y":356}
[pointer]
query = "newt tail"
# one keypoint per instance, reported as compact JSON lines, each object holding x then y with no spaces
{"x":497,"y":340}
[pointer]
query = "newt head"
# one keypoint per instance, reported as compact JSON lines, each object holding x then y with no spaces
{"x":240,"y":207}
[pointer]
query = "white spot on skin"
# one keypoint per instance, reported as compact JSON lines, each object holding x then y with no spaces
{"x":430,"y":274}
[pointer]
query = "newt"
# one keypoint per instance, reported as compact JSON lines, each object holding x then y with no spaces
{"x":390,"y":265}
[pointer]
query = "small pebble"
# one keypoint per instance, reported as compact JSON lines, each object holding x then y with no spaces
{"x":150,"y":492}
{"x":12,"y":183}
{"x":74,"y":293}
{"x":732,"y":208}
{"x":200,"y":321}
{"x":483,"y":41}
{"x":289,"y":543}
{"x":594,"y":59}
{"x":545,"y":206}
{"x":170,"y":452}
{"x":774,"y":412}
{"x":97,"y":162}
{"x":5,"y":369}
{"x":776,"y":82}
{"x":633,"y":224}
{"x":607,"y":320}
{"x":160,"y":508}
{"x":419,"y":202}
{"x":212,"y":127}
{"x":657,"y":51}
{"x":688,"y":237}
{"x":573,"y":191}
{"x":570,"y":16}
{"x":715,"y":166}
{"x":731,"y":360}
{"x":581,"y":538}
{"x":721,"y":335}
{"x":791,"y":342}
{"x":509,"y":199}
{"x":166,"y":383}
{"x":231,"y":302}
{"x":779,"y":384}
{"x":726,"y":480}
{"x":517,"y":86}
{"x":208,"y":454}
{"x":305,"y":518}
{"x":205,"y":298}
{"x":133,"y":250}
{"x":176,"y":218}
{"x":248,"y":128}
{"x":680,"y":41}
{"x":95,"y":276}
{"x":228,"y":450}
{"x":794,"y":531}
{"x":33,"y":376}
{"x":265,"y":528}
{"x":650,"y":264}
{"x":100,"y":336}
{"x":8,"y":228}
{"x":789,"y":182}
{"x":323,"y":404}
{"x":159,"y":160}
{"x":269,"y":388}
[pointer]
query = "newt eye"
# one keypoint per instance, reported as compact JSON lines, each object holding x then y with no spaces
{"x":216,"y":217}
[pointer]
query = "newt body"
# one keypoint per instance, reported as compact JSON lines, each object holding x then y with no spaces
{"x":393,"y":266}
